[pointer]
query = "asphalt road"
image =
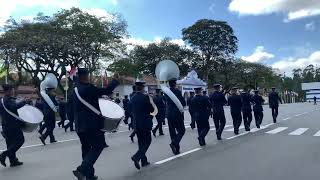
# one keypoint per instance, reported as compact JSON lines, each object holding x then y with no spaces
{"x":288,"y":150}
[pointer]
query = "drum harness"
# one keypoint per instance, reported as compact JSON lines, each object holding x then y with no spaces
{"x":84,"y":102}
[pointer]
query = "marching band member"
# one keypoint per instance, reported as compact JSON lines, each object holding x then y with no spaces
{"x":246,"y":109}
{"x":49,"y":118}
{"x":143,"y":124}
{"x":274,"y":100}
{"x":257,"y":108}
{"x":158,"y":99}
{"x":218,"y":100}
{"x":235,"y":104}
{"x":132,"y":124}
{"x":12,"y":127}
{"x":193,"y":123}
{"x":125,"y":103}
{"x":175,"y":118}
{"x":201,"y":105}
{"x":89,"y":124}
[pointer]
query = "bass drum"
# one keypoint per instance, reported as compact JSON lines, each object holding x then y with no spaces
{"x":31,"y":116}
{"x":112,"y":113}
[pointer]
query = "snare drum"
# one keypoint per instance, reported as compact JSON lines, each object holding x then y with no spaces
{"x":113,"y":114}
{"x":31,"y":116}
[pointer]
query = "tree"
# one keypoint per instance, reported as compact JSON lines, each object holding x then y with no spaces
{"x":146,"y":58}
{"x":214,"y":40}
{"x":125,"y":67}
{"x":68,"y":38}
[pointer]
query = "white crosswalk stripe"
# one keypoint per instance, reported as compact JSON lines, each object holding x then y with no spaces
{"x":231,"y":129}
{"x":298,"y":131}
{"x":277,"y":130}
{"x":317,"y":134}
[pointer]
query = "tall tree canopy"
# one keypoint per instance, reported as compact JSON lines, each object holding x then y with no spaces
{"x":214,"y":40}
{"x":68,"y":38}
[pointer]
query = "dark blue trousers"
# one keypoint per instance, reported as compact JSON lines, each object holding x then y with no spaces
{"x":92,"y":144}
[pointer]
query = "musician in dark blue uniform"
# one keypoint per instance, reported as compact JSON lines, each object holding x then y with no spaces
{"x":246,"y":109}
{"x":218,"y":100}
{"x":70,"y":113}
{"x":193,"y":122}
{"x":200,"y":105}
{"x":143,"y":124}
{"x":274,"y":100}
{"x":125,"y":103}
{"x":11,"y":127}
{"x":175,"y":118}
{"x":234,"y":101}
{"x":158,"y":99}
{"x":49,"y":118}
{"x":132,"y":124}
{"x":88,"y":124}
{"x":257,"y":108}
{"x":62,"y":112}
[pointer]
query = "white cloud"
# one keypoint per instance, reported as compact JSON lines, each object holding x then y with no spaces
{"x":211,"y":7}
{"x":310,"y":26}
{"x":142,"y":42}
{"x":294,"y":9}
{"x":288,"y":64}
{"x":114,"y":2}
{"x":259,"y":55}
{"x":100,"y":13}
{"x":7,"y":7}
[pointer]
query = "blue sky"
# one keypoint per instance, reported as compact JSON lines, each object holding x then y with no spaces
{"x":281,"y":33}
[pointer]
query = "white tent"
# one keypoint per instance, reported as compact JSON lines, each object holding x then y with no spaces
{"x":190,"y":82}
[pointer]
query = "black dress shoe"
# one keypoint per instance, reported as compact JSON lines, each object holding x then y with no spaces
{"x":53,"y":141}
{"x":93,"y":178}
{"x":201,"y":141}
{"x":192,"y":126}
{"x":40,"y":132}
{"x":132,"y":139}
{"x":65,"y":129}
{"x":154,"y":133}
{"x":145,"y":164}
{"x":16,"y":163}
{"x":136,"y":163}
{"x":161,"y":134}
{"x":42,"y":140}
{"x":79,"y":175}
{"x":3,"y":160}
{"x":174,"y":149}
{"x":219,"y":137}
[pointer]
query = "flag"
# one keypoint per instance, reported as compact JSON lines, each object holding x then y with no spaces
{"x":72,"y":73}
{"x":105,"y":80}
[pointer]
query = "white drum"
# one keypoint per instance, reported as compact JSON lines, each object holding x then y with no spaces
{"x":113,"y":114}
{"x":32,"y":117}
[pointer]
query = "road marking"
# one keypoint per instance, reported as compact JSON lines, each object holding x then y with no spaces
{"x":298,"y":115}
{"x":231,"y":129}
{"x":298,"y":131}
{"x":213,"y":129}
{"x":285,"y":119}
{"x":177,"y":156}
{"x":317,"y":134}
{"x":277,"y":130}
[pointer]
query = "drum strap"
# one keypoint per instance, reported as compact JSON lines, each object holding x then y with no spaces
{"x":84,"y":102}
{"x":9,"y":112}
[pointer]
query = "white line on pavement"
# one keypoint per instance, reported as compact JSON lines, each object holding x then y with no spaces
{"x":317,"y":134}
{"x":277,"y":130}
{"x":285,"y":119}
{"x":231,"y":129}
{"x":298,"y":131}
{"x":177,"y":156}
